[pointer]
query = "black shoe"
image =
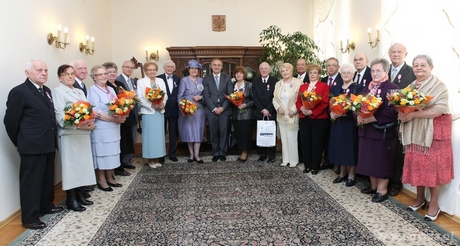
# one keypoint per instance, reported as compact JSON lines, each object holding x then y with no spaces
{"x":223,"y":158}
{"x":271,"y":160}
{"x":53,"y":211}
{"x":314,"y":172}
{"x":121,"y":173}
{"x":350,"y":182}
{"x":162,"y":160}
{"x":34,"y":226}
{"x":261,"y":159}
{"x":379,"y":197}
{"x":306,"y":170}
{"x":88,"y":188}
{"x":84,"y":193}
{"x":104,"y":189}
{"x":81,"y":197}
{"x":72,"y":202}
{"x":114,"y":185}
{"x":393,"y":192}
{"x":339,"y":179}
{"x":198,"y":161}
{"x":241,"y":160}
{"x":129,"y":166}
{"x":190,"y":160}
{"x":368,"y":190}
{"x":215,"y":158}
{"x":173,"y":159}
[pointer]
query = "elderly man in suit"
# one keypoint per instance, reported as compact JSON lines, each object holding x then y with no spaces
{"x":402,"y":75}
{"x":262,"y":90}
{"x":81,"y":72}
{"x":30,"y":122}
{"x":218,"y":108}
{"x":363,"y":72}
{"x":301,"y":68}
{"x":333,"y":77}
{"x":172,"y":107}
{"x":129,"y":127}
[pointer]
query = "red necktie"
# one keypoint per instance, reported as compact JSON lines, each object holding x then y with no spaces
{"x":330,"y":82}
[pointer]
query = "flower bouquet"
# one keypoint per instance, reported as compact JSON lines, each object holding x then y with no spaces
{"x":310,"y":99}
{"x":77,"y":112}
{"x":121,"y":106}
{"x":155,"y":94}
{"x":340,"y":104}
{"x":408,"y":99}
{"x":236,"y":98}
{"x":365,"y":106}
{"x":187,"y":107}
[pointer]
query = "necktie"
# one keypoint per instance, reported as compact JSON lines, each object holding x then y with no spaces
{"x":41,"y":91}
{"x":265,"y":81}
{"x":330,"y":82}
{"x":216,"y":78}
{"x":393,"y":74}
{"x":359,"y":78}
{"x":130,"y":85}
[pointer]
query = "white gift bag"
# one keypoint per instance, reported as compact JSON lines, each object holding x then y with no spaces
{"x":266,"y":133}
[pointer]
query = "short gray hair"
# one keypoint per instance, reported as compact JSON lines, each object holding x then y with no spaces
{"x":428,"y":59}
{"x":347,"y":66}
{"x":30,"y":62}
{"x":169,"y":61}
{"x":94,"y":69}
{"x":385,"y":63}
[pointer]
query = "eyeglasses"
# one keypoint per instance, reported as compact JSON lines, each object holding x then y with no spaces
{"x":376,"y":71}
{"x":100,"y":74}
{"x":68,"y":74}
{"x":331,"y":65}
{"x":347,"y":73}
{"x":128,"y":67}
{"x":150,"y":70}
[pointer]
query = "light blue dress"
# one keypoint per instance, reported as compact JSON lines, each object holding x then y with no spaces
{"x":105,"y":139}
{"x":191,"y":127}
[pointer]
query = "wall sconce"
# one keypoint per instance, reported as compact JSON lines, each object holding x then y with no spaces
{"x":372,"y":43}
{"x":348,"y":47}
{"x":152,"y":56}
{"x":57,"y":39}
{"x":85,"y":47}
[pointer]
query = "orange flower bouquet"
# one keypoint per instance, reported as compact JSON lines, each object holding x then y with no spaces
{"x":121,"y":106}
{"x":236,"y":98}
{"x":408,"y":99}
{"x":310,"y":99}
{"x":187,"y":107}
{"x":365,"y":106}
{"x":340,"y":104}
{"x":78,"y":112}
{"x":155,"y":94}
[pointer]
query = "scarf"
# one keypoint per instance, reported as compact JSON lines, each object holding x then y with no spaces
{"x":292,"y":123}
{"x":374,"y":85}
{"x":417,"y":134}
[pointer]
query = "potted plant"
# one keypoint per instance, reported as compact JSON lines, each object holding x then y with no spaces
{"x":280,"y":48}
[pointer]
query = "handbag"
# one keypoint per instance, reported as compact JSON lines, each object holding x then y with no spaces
{"x":384,"y":127}
{"x":266,"y":133}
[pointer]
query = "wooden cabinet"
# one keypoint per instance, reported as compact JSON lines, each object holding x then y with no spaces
{"x":231,"y":56}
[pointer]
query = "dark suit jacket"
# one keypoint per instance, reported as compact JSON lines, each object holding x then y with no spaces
{"x":30,"y":120}
{"x":338,"y":79}
{"x":214,"y":96}
{"x":172,"y":105}
{"x":263,"y":96}
{"x":133,"y":116}
{"x":77,"y":85}
{"x":367,"y":76}
{"x":305,"y":79}
{"x":404,"y":77}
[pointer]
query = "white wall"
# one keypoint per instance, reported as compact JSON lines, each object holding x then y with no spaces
{"x":122,"y":29}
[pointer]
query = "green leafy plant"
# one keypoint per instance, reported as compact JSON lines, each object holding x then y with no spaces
{"x":280,"y":48}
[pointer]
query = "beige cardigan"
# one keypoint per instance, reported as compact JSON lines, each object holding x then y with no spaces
{"x":292,"y":123}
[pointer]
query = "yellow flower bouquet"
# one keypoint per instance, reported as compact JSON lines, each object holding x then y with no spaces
{"x":408,"y":99}
{"x":310,"y":99}
{"x":365,"y":106}
{"x":78,"y":112}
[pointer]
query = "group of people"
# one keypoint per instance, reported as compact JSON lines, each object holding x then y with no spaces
{"x":312,"y":136}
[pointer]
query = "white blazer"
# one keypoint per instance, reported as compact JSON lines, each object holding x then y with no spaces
{"x":146,"y":105}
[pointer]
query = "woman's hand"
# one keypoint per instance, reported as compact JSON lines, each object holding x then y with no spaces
{"x":87,"y":125}
{"x":281,"y":111}
{"x":197,"y":98}
{"x":305,"y":111}
{"x":157,"y":105}
{"x":367,"y":120}
{"x":242,"y":106}
{"x":405,"y":117}
{"x":334,"y":116}
{"x":291,"y":113}
{"x":119,"y":119}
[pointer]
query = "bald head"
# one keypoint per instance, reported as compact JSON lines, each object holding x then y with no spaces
{"x":360,"y":62}
{"x":81,"y":71}
{"x":397,"y":54}
{"x":264,"y":69}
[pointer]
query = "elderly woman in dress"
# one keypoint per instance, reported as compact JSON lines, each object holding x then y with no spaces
{"x":343,"y":140}
{"x":153,"y":131}
{"x":77,"y":166}
{"x":284,"y":101}
{"x":376,"y":146}
{"x":313,"y":123}
{"x":426,"y":137}
{"x":191,"y":127}
{"x":105,"y":138}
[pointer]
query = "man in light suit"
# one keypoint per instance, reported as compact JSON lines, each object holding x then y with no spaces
{"x":131,"y":122}
{"x":333,"y":77}
{"x":81,"y":72}
{"x":172,"y":106}
{"x":218,"y":108}
{"x":402,"y":75}
{"x":30,"y":122}
{"x":262,"y":90}
{"x":363,"y":72}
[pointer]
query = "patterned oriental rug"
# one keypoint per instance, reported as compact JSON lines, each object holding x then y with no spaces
{"x":248,"y":203}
